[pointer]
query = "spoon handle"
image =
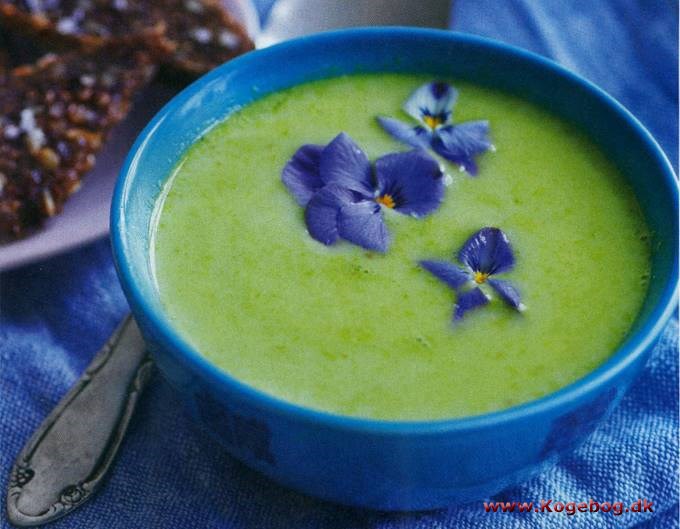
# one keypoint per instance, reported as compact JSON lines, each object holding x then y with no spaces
{"x":65,"y":460}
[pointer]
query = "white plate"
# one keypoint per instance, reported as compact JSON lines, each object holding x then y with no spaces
{"x":86,"y":214}
{"x":293,"y":18}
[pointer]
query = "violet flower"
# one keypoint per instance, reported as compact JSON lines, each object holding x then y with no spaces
{"x":484,"y":255}
{"x":344,"y":197}
{"x":432,"y":105}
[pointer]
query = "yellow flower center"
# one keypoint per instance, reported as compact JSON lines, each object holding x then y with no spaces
{"x":386,"y":200}
{"x":432,"y":121}
{"x":480,"y":277}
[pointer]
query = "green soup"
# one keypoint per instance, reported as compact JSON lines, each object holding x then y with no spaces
{"x":356,"y":333}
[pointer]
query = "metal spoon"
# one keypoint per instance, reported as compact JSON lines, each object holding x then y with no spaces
{"x":64,"y":462}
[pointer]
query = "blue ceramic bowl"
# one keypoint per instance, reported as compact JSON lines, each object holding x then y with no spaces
{"x":380,"y":464}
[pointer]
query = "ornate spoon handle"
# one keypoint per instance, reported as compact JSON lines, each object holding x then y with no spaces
{"x":65,"y":460}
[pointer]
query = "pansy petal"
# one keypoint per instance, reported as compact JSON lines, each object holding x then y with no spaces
{"x":415,"y":136}
{"x":461,"y":143}
{"x":301,"y":173}
{"x":412,"y":180}
{"x":361,"y":223}
{"x":466,"y":163}
{"x":469,"y":300}
{"x":345,"y":164}
{"x":447,"y":272}
{"x":507,"y":293}
{"x":322,"y":212}
{"x":487,"y":251}
{"x":432,"y":99}
{"x":469,"y":138}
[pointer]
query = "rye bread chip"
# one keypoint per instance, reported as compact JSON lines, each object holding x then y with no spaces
{"x":192,"y":36}
{"x":54,"y":117}
{"x":87,"y":24}
{"x":204,"y":35}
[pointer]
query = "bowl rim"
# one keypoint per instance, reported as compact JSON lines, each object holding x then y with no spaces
{"x":569,"y":396}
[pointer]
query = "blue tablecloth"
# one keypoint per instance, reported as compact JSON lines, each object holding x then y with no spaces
{"x":55,"y":314}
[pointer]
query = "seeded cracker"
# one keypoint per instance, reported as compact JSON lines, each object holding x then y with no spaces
{"x":87,"y":24}
{"x":192,"y":36}
{"x":54,"y":117}
{"x":204,"y":34}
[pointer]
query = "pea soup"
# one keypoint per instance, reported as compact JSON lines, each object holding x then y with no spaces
{"x":349,"y":330}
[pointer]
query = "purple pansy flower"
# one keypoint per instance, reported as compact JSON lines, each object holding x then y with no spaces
{"x":484,"y":255}
{"x":344,"y":197}
{"x":432,"y":105}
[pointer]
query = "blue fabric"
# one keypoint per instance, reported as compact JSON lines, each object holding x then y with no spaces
{"x":55,"y":314}
{"x":627,"y":47}
{"x":264,"y":7}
